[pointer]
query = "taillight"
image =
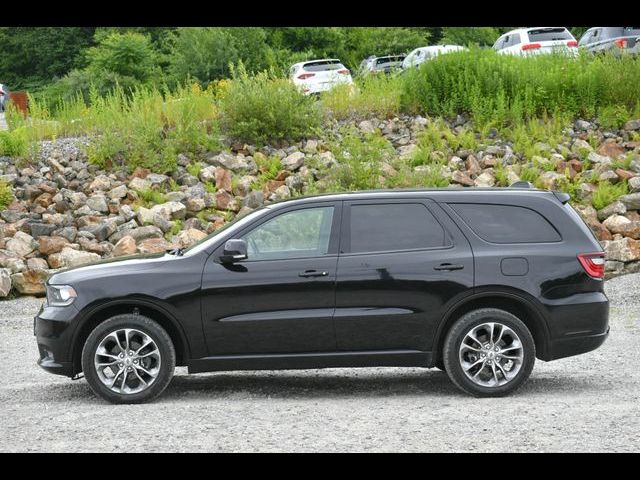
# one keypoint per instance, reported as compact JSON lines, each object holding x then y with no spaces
{"x":572,"y":43}
{"x":621,"y":43}
{"x":531,"y":46}
{"x":593,"y":264}
{"x":344,"y":71}
{"x":304,"y":76}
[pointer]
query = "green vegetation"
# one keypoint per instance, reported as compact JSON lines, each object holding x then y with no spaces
{"x":14,"y":143}
{"x":149,"y":197}
{"x":265,"y":108}
{"x":6,"y":194}
{"x":608,"y":193}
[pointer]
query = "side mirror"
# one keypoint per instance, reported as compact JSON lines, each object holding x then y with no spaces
{"x":234,"y":251}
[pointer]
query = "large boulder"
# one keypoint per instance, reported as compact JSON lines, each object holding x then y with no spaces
{"x":235,"y":163}
{"x":188,"y":237}
{"x":125,"y":246}
{"x":293,"y":161}
{"x":5,"y":282}
{"x":12,"y":261}
{"x":22,"y":244}
{"x":623,"y":250}
{"x":30,"y":282}
{"x":70,"y":257}
{"x":631,"y":201}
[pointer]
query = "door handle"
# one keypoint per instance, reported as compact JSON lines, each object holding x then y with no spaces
{"x":448,"y":267}
{"x":313,"y":273}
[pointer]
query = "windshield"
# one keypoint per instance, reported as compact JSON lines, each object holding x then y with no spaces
{"x":323,"y":65}
{"x":237,"y":222}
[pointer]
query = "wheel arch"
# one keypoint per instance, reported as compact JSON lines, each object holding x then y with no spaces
{"x":515,"y":303}
{"x":144,"y":307}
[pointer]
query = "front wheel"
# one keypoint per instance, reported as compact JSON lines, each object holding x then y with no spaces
{"x":489,"y":353}
{"x":128,"y":359}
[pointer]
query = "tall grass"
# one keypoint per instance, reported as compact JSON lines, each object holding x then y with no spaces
{"x":502,"y":89}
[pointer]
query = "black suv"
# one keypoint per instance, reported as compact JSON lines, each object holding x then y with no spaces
{"x":476,"y":282}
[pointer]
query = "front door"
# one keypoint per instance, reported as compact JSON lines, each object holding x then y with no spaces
{"x":281,"y":299}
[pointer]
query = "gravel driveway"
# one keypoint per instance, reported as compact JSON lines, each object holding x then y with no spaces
{"x":585,"y":403}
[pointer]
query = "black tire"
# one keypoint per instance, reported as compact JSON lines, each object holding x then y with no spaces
{"x":150,"y":328}
{"x":456,"y":335}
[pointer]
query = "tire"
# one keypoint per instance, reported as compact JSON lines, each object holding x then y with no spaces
{"x":147,"y":370}
{"x":514,"y":363}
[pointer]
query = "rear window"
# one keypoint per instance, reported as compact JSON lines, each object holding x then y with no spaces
{"x":323,"y":65}
{"x":549,"y":34}
{"x":383,"y":60}
{"x":394,"y":226}
{"x":506,"y":223}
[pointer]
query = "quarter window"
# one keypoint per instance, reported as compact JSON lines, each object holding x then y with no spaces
{"x":506,"y":223}
{"x":295,"y":234}
{"x":392,"y":227}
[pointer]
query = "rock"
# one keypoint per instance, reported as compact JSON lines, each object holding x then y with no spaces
{"x":224,"y":200}
{"x":118,"y":192}
{"x":600,"y":231}
{"x":631,"y":201}
{"x":154,"y":245}
{"x":613,"y":266}
{"x":170,"y":210}
{"x":37,"y":263}
{"x":615,"y":208}
{"x":195,"y":204}
{"x":138,"y":234}
{"x":49,"y":245}
{"x":294,"y":161}
{"x":582,"y":125}
{"x":70,"y":257}
{"x":281,"y":193}
{"x":623,"y":250}
{"x":608,"y":176}
{"x":235,"y":163}
{"x":611,"y":149}
{"x":138,"y":183}
{"x":208,"y":174}
{"x":473,"y":166}
{"x":616,"y":223}
{"x":22,"y":244}
{"x":11,"y":261}
{"x":255,"y":199}
{"x":5,"y":282}
{"x":311,"y":146}
{"x":223,"y":179}
{"x":461,"y":178}
{"x":98,"y":203}
{"x":39,"y":230}
{"x":366,"y":126}
{"x":550,"y":180}
{"x":188,"y":237}
{"x":593,"y":157}
{"x":101,"y":182}
{"x":156,"y":179}
{"x":327,"y":160}
{"x":580,"y":146}
{"x":407,"y":150}
{"x":485,"y":179}
{"x":634,"y":184}
{"x":101,"y":231}
{"x":632,"y":125}
{"x":125,"y":246}
{"x":587,"y":212}
{"x":30,"y":282}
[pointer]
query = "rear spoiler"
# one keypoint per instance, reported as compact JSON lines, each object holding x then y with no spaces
{"x":561,"y":196}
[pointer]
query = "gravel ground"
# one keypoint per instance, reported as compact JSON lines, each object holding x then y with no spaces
{"x":585,"y":403}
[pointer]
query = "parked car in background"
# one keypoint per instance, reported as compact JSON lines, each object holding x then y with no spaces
{"x":422,"y":54}
{"x":386,"y":64}
{"x":536,"y":41}
{"x":316,"y":76}
{"x":4,"y":97}
{"x":611,"y":39}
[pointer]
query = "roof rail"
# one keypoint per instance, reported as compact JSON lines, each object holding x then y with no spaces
{"x":522,"y":184}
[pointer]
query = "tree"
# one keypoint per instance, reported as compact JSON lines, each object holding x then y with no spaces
{"x":470,"y":35}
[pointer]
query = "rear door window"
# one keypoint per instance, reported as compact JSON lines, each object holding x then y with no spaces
{"x":506,"y":223}
{"x":380,"y":227}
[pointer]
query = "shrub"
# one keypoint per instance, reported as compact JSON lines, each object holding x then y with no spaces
{"x":13,"y":143}
{"x":608,"y":193}
{"x":262,"y":108}
{"x":613,"y":116}
{"x":373,"y":95}
{"x":6,"y":194}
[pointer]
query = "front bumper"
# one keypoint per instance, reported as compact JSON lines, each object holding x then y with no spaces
{"x":52,"y":327}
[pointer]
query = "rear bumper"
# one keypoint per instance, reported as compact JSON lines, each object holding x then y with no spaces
{"x":567,"y":347}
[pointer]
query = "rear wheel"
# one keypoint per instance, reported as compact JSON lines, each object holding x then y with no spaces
{"x":128,"y":359}
{"x":489,"y":353}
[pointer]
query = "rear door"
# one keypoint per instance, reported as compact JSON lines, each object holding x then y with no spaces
{"x":551,"y":39}
{"x":326,"y":72}
{"x":402,"y":264}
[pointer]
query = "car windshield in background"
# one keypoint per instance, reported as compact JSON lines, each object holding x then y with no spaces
{"x":322,"y":66}
{"x":549,"y":34}
{"x":385,"y":60}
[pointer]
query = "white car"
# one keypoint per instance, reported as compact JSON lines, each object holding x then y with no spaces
{"x":422,"y":54}
{"x":315,"y":76}
{"x":536,"y":41}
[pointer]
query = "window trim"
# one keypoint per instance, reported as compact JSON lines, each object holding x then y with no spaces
{"x":474,"y":232}
{"x":345,"y":235}
{"x":334,"y":235}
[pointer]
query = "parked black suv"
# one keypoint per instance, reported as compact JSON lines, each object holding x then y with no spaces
{"x":477,"y":282}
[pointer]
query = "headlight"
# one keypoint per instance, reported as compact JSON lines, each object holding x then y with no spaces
{"x":60,"y":295}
